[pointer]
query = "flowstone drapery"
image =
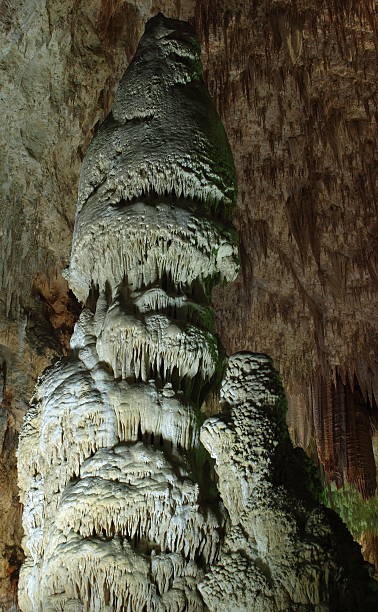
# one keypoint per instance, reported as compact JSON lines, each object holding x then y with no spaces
{"x":121,"y":502}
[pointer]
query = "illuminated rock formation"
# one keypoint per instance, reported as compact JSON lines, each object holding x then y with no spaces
{"x":120,"y":511}
{"x":121,"y":506}
{"x":282,"y":550}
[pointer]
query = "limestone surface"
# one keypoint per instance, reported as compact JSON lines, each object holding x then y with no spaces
{"x":281,"y":550}
{"x":120,"y":508}
{"x":123,"y":507}
{"x":163,"y":135}
{"x":295,"y":87}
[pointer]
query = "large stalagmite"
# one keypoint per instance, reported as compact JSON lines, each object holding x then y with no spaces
{"x":123,"y":509}
{"x":120,"y":509}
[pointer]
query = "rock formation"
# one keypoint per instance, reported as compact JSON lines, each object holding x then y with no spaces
{"x":282,"y":550}
{"x":120,"y":511}
{"x":123,"y":508}
{"x":295,"y":84}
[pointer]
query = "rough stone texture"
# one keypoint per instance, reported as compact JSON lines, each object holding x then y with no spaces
{"x":281,"y":551}
{"x":295,"y":86}
{"x":120,"y":511}
{"x":117,"y":515}
{"x":23,"y":355}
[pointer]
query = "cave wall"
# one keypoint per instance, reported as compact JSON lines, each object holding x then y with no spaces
{"x":295,"y":86}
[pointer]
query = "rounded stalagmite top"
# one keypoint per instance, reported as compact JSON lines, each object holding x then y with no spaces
{"x":163,"y":134}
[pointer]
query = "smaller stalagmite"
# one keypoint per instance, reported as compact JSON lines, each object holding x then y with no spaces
{"x":124,"y":508}
{"x":282,"y":551}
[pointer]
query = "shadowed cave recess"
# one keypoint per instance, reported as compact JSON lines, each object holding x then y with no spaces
{"x":139,"y":493}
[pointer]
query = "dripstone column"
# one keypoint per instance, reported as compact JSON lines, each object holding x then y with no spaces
{"x":131,"y":502}
{"x":121,"y":511}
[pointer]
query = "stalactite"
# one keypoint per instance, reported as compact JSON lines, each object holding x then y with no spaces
{"x":344,"y":422}
{"x":312,"y":167}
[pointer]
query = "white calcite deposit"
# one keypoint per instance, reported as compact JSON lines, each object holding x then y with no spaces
{"x":120,"y":510}
{"x":106,"y":479}
{"x":281,"y":551}
{"x":163,"y":135}
{"x":123,"y":507}
{"x":148,"y":241}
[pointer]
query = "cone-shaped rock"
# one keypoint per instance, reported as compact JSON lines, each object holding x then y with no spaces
{"x":121,"y":511}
